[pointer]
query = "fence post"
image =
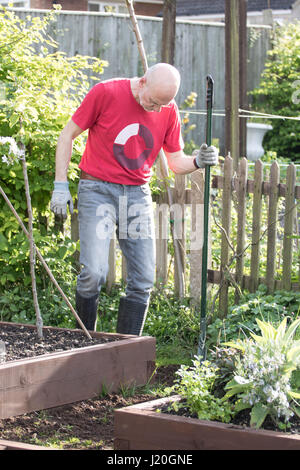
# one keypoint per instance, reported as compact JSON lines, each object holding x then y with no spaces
{"x":256,"y":225}
{"x":178,"y":217}
{"x":111,"y":276}
{"x":161,"y":224}
{"x":226,"y":223}
{"x":241,"y":232}
{"x":289,"y":214}
{"x":272,"y":226}
{"x":196,"y":239}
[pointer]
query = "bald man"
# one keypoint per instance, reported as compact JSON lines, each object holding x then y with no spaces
{"x":128,"y":122}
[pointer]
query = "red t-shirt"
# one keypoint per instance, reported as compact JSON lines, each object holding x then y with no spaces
{"x":124,"y":139}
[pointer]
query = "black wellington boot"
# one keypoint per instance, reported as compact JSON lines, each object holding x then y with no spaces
{"x":86,"y":309}
{"x":131,"y":317}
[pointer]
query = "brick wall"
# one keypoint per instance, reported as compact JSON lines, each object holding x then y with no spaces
{"x":150,"y":9}
{"x":77,"y":5}
{"x":82,"y":5}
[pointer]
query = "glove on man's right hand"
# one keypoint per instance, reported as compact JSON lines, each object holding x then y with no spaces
{"x":206,"y":156}
{"x":61,"y":196}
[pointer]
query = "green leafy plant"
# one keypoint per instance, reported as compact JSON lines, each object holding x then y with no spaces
{"x":278,"y":92}
{"x":263,"y":374}
{"x":196,"y":388}
{"x":241,"y":318}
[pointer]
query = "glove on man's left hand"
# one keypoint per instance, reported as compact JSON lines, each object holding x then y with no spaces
{"x":61,"y":198}
{"x":206,"y":156}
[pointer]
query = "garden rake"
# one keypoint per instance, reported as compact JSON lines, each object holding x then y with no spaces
{"x":202,"y":337}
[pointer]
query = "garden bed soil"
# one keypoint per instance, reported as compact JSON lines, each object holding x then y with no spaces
{"x":67,"y":366}
{"x":22,"y":341}
{"x":150,"y":426}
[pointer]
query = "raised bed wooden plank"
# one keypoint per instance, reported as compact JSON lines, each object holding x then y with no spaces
{"x":12,"y":445}
{"x":140,"y":427}
{"x":65,"y":377}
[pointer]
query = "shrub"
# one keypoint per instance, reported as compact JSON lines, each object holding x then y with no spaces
{"x":262,"y":377}
{"x":278,"y":92}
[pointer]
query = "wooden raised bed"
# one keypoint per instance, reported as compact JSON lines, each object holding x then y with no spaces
{"x":59,"y":378}
{"x":140,"y":427}
{"x":12,"y":445}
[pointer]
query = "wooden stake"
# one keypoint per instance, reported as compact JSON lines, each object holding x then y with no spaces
{"x":44,"y":263}
{"x":39,"y":320}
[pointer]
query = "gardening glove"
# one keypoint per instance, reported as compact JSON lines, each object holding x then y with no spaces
{"x":206,"y":156}
{"x":61,"y":197}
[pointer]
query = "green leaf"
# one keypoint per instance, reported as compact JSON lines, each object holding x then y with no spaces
{"x":268,"y":331}
{"x":296,"y":410}
{"x":294,"y":394}
{"x":241,"y":405}
{"x":258,"y":415}
{"x":234,"y":345}
{"x":14,"y":118}
{"x":62,"y":252}
{"x":281,"y":329}
{"x":291,"y":330}
{"x":293,"y":353}
{"x":233,"y":388}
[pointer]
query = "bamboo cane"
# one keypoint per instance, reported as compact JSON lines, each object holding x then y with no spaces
{"x":44,"y":263}
{"x":39,"y":320}
{"x":162,"y":157}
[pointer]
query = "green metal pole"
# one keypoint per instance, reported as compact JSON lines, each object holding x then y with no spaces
{"x":202,"y":337}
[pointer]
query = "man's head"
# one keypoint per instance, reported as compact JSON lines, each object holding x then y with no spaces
{"x":157,"y":87}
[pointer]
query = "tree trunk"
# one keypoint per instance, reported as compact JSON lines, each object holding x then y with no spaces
{"x":168,"y":32}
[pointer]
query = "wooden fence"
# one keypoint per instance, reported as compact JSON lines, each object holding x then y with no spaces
{"x":254,"y":231}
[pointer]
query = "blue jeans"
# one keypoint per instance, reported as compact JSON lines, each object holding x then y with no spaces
{"x":102,"y":206}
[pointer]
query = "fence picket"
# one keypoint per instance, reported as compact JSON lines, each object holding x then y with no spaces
{"x":241,"y":232}
{"x":272,"y":226}
{"x":196,"y":239}
{"x":290,"y":211}
{"x":111,"y":276}
{"x":226,"y":223}
{"x":178,"y":219}
{"x":256,"y":225}
{"x":161,"y":233}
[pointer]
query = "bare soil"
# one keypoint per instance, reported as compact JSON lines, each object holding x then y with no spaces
{"x":22,"y":342}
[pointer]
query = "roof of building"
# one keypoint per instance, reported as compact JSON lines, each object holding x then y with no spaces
{"x":206,"y":7}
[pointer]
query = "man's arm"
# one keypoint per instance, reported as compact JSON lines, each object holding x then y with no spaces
{"x":61,"y":196}
{"x":64,"y":149}
{"x":183,"y":164}
{"x":180,"y":163}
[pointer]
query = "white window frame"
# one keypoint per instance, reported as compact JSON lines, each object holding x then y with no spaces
{"x":102,"y":4}
{"x":149,"y":1}
{"x":16,"y":3}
